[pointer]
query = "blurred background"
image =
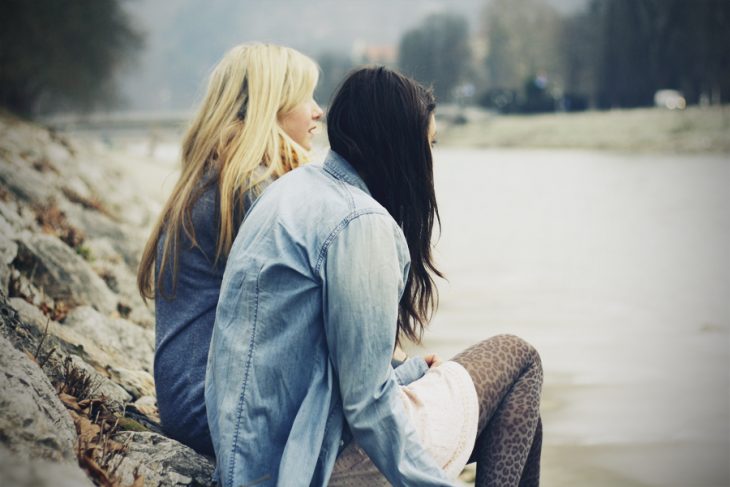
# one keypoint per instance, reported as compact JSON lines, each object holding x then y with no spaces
{"x":582,"y":175}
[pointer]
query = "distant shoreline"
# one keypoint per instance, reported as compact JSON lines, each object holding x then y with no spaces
{"x":695,"y":130}
{"x":651,"y":130}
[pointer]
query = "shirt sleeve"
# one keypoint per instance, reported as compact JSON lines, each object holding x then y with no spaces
{"x":412,"y":369}
{"x":363,"y":278}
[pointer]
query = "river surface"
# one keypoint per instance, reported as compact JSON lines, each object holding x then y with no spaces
{"x":617,"y":268}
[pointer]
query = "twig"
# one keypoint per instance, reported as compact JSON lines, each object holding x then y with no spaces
{"x":43,"y":362}
{"x":43,"y":339}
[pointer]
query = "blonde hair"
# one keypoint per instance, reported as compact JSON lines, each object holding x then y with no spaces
{"x":236,"y":135}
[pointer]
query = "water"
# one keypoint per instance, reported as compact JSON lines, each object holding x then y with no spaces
{"x":617,"y":268}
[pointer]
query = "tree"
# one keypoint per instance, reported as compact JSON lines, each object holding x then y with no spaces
{"x":692,"y":42}
{"x":62,"y":53}
{"x":437,"y":53}
{"x":522,"y":41}
{"x":647,"y":45}
{"x":579,"y":48}
{"x":626,"y":71}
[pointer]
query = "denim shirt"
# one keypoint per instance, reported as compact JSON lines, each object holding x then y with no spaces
{"x":303,"y":337}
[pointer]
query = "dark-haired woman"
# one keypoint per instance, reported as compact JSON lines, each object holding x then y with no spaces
{"x":331,"y":267}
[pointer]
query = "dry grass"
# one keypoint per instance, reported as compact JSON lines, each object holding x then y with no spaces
{"x":96,"y":423}
{"x":43,"y":165}
{"x":96,"y":419}
{"x":53,"y":221}
{"x":92,"y":203}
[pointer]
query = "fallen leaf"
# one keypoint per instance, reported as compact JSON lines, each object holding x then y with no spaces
{"x":69,"y":401}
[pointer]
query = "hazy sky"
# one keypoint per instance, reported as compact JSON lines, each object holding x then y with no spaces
{"x":185,"y":38}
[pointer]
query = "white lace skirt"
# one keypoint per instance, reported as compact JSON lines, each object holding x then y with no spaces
{"x":444,"y":409}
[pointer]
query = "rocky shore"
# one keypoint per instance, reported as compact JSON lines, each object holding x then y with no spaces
{"x":76,"y":340}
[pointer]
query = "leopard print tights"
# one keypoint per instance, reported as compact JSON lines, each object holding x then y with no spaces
{"x":507,"y":375}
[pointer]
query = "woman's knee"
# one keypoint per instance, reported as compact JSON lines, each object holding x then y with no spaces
{"x":513,"y":342}
{"x":514,"y":347}
{"x":505,"y":349}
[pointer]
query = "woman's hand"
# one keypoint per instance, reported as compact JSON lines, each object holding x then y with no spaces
{"x":399,"y":354}
{"x":432,"y":360}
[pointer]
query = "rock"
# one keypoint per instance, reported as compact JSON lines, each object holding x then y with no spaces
{"x":102,"y":172}
{"x":18,"y":217}
{"x":8,"y":248}
{"x":19,"y":285}
{"x":144,"y":411}
{"x":120,"y":279}
{"x":136,"y":382}
{"x":101,"y":343}
{"x":46,"y":185}
{"x":5,"y":273}
{"x":61,"y":273}
{"x":142,"y":315}
{"x":24,"y":336}
{"x":162,"y":462}
{"x":102,"y":249}
{"x":28,"y":329}
{"x":77,"y":187}
{"x":23,"y":472}
{"x":26,"y":183}
{"x":118,"y":336}
{"x":147,"y":405}
{"x":126,"y":241}
{"x":8,"y":251}
{"x":58,"y":151}
{"x":103,"y":386}
{"x":32,"y":323}
{"x":34,"y":423}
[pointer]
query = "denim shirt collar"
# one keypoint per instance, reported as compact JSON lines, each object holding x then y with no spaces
{"x":336,"y":165}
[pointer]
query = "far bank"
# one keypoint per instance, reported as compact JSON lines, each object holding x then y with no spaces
{"x":694,"y":130}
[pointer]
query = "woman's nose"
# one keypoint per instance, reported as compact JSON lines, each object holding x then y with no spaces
{"x":317,"y":112}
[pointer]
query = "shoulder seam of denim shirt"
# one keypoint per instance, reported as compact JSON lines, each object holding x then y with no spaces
{"x":336,"y":231}
{"x":242,"y":395}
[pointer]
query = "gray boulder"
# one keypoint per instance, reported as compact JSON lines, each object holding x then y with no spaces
{"x":23,"y":472}
{"x":138,"y":383}
{"x":108,"y":264}
{"x":8,"y":248}
{"x":62,"y":274}
{"x":34,"y":423}
{"x":129,"y":202}
{"x":102,"y":385}
{"x":5,"y":273}
{"x":23,"y":181}
{"x":103,"y":360}
{"x":131,"y":345}
{"x":30,"y":326}
{"x":18,"y":217}
{"x":163,"y":462}
{"x":126,"y":241}
{"x":8,"y":251}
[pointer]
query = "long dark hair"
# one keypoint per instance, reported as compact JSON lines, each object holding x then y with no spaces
{"x":379,"y":121}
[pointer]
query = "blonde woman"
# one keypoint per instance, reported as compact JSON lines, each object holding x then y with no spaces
{"x":256,"y":123}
